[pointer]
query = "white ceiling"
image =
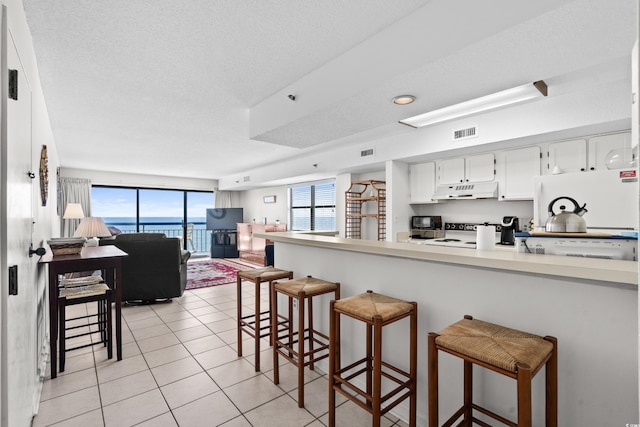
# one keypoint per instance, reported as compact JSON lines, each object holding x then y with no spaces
{"x":199,"y":89}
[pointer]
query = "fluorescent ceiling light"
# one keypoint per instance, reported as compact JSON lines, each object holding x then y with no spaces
{"x":494,"y":101}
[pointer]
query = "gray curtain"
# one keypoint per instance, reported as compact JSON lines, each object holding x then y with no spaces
{"x":223,"y":199}
{"x":74,"y":190}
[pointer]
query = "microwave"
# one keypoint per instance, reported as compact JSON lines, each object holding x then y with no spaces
{"x":426,"y":222}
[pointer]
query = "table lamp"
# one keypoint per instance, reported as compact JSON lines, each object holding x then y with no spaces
{"x":73,"y":211}
{"x":92,"y":228}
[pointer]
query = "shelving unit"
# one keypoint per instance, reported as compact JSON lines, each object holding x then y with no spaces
{"x":372,"y":194}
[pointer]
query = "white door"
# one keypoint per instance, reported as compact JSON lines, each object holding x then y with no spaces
{"x":480,"y":168}
{"x":19,"y":317}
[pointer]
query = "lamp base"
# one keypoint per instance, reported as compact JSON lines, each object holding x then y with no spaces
{"x":91,"y":242}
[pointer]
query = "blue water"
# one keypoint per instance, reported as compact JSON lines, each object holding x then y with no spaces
{"x":171,"y":226}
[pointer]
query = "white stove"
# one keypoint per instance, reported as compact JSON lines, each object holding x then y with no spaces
{"x":453,"y":242}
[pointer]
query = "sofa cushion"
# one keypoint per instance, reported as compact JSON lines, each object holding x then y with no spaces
{"x":140,"y":236}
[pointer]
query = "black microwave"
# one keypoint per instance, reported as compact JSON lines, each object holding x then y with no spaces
{"x":426,"y":222}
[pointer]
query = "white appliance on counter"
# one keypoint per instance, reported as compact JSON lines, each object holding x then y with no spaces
{"x":611,"y":198}
{"x":585,"y":247}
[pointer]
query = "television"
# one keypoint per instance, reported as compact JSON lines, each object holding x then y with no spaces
{"x":223,"y":218}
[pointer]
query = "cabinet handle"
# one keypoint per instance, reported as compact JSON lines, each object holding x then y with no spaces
{"x":581,"y":169}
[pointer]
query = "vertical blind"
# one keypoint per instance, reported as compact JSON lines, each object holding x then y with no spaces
{"x":313,"y":206}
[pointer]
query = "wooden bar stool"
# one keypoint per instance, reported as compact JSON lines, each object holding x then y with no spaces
{"x":290,"y":344}
{"x":375,"y":311}
{"x":252,"y":323}
{"x":516,"y":354}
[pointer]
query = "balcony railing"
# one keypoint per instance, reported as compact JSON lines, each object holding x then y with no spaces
{"x":200,"y":241}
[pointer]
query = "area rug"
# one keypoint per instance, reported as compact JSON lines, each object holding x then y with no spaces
{"x":212,"y":272}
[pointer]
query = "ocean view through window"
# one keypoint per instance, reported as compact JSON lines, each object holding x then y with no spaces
{"x":176,"y":213}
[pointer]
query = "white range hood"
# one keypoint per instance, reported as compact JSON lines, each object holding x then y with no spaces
{"x":467,"y":190}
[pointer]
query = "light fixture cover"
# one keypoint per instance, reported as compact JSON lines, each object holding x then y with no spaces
{"x":73,"y":211}
{"x":92,"y":227}
{"x":485,"y":103}
{"x":404,"y":99}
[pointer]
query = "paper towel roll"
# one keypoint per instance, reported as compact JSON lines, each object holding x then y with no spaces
{"x":486,"y":238}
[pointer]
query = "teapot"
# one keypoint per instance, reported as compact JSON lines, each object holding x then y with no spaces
{"x":566,"y":221}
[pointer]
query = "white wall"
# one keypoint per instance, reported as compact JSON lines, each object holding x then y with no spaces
{"x":255,"y":209}
{"x":139,"y":180}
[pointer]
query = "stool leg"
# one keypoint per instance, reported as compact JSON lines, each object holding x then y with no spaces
{"x":413,"y":366}
{"x":332,"y":362}
{"x":524,"y":397}
{"x":551,"y":381}
{"x":239,"y":309}
{"x":310,"y":327}
{"x":271,"y":320}
{"x":369,"y":363}
{"x":376,"y":401}
{"x":108,"y":325}
{"x":274,"y":332}
{"x":301,"y":348}
{"x":433,"y":379}
{"x":468,"y":393}
{"x":62,"y":303}
{"x":257,"y":331}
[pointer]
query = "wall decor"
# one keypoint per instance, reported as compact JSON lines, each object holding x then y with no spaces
{"x":44,"y":175}
{"x":269,"y":199}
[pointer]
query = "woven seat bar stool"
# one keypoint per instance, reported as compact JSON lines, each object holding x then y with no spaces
{"x":257,"y":324}
{"x":291,"y":344}
{"x":376,"y":311}
{"x":73,"y":295}
{"x":516,"y":354}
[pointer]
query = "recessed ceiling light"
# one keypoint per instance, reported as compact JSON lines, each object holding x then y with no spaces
{"x":404,"y":99}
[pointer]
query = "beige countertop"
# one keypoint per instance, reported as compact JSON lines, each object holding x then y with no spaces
{"x":609,"y":272}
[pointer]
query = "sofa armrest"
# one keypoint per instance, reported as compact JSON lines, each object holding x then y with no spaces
{"x":184,"y":256}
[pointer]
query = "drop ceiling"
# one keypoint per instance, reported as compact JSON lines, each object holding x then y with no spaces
{"x":201,"y":89}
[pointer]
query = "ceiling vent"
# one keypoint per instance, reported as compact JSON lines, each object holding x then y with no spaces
{"x":467,"y":133}
{"x":367,"y":152}
{"x":246,"y":178}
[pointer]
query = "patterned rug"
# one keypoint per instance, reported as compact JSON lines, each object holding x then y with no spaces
{"x":212,"y":272}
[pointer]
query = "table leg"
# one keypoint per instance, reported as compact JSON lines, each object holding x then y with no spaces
{"x":118,"y":285}
{"x":53,"y":320}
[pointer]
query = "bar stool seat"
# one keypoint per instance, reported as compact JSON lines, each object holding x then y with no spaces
{"x":516,"y":354}
{"x":253,"y":322}
{"x":376,"y":311}
{"x":291,"y":344}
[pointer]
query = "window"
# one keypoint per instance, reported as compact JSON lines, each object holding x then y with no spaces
{"x":313,"y":206}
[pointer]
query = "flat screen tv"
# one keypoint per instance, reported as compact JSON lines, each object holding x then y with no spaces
{"x":223,"y":218}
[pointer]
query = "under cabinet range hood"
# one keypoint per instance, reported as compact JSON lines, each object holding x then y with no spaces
{"x":467,"y":190}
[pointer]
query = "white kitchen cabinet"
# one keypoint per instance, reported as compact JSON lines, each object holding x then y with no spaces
{"x":600,"y":146}
{"x":422,"y":182}
{"x":519,"y":167}
{"x":567,"y":156}
{"x":478,"y":168}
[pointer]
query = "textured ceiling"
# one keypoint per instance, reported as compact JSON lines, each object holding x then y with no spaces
{"x":198,"y":88}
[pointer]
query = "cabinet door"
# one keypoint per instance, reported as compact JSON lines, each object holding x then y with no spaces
{"x":567,"y":156}
{"x":600,"y":146}
{"x":451,"y":170}
{"x":520,"y":168}
{"x":422,"y":182}
{"x":480,"y":168}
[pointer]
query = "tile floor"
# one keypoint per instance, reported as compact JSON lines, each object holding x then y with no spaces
{"x":180,"y":368}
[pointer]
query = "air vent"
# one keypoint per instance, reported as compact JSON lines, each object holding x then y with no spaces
{"x":246,"y":178}
{"x":367,"y":152}
{"x":471,"y":132}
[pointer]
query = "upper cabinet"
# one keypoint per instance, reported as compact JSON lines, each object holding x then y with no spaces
{"x":422,"y":182}
{"x":600,"y":146}
{"x":519,"y":167}
{"x":479,"y":168}
{"x":567,"y":156}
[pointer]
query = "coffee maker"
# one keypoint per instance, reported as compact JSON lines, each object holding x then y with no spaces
{"x":510,"y":225}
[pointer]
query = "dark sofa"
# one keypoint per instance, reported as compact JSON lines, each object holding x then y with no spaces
{"x":156,"y":267}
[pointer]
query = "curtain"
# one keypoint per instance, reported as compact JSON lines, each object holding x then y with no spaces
{"x":74,"y":190}
{"x":223,"y":199}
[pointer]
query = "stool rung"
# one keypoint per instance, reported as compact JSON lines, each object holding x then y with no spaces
{"x":493,"y":415}
{"x":454,"y":417}
{"x":85,"y":345}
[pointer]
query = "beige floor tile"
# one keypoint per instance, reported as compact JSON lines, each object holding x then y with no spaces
{"x":128,"y":350}
{"x":230,"y":336}
{"x":253,"y":392}
{"x":271,"y":414}
{"x":178,"y":315}
{"x":216,"y":357}
{"x":171,"y":307}
{"x":193,"y":333}
{"x":201,"y":311}
{"x":155,"y":343}
{"x":195,"y":303}
{"x":135,"y":409}
{"x":90,"y":419}
{"x":218,"y":299}
{"x":289,"y":376}
{"x":350,"y":414}
{"x":203,"y":344}
{"x":134,"y":313}
{"x":316,"y":396}
{"x":65,"y":384}
{"x":152,"y":331}
{"x":126,"y":387}
{"x":226,"y":324}
{"x":144,"y":323}
{"x":232,"y":373}
{"x":212,"y":317}
{"x":67,"y":406}
{"x":231,"y":305}
{"x":75,"y":363}
{"x":166,"y":355}
{"x":114,"y":369}
{"x":188,"y":389}
{"x":240,"y":421}
{"x":211,"y":410}
{"x":181,"y":324}
{"x":164,"y":420}
{"x":175,"y":371}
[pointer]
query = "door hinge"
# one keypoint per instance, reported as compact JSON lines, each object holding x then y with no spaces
{"x":13,"y":84}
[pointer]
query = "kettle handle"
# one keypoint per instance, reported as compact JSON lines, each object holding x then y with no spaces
{"x":550,"y":208}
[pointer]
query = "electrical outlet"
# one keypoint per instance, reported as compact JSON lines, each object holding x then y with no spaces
{"x":295,"y":304}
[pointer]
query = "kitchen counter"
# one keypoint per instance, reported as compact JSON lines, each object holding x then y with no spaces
{"x":597,"y":271}
{"x":589,"y":305}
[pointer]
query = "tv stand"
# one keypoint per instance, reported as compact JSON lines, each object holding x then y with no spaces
{"x":224,"y":244}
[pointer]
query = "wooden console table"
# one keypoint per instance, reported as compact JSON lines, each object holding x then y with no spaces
{"x":105,"y":258}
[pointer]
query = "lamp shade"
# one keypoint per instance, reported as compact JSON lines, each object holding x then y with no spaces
{"x":92,"y":227}
{"x":73,"y":211}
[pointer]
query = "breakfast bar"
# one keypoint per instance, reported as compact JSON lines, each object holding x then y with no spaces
{"x":589,"y":305}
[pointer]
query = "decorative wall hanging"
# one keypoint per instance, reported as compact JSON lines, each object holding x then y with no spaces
{"x":44,"y":175}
